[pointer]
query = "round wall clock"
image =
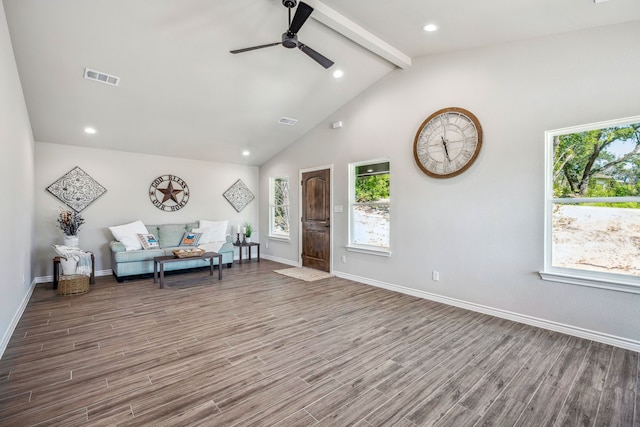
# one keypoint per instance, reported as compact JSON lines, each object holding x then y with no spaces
{"x":447,"y":142}
{"x":169,"y":193}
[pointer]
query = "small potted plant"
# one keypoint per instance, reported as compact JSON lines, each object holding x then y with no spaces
{"x":70,"y":222}
{"x":248,"y":231}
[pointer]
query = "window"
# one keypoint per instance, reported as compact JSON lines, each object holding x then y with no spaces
{"x":279,"y":207}
{"x":592,"y":223}
{"x":369,"y":203}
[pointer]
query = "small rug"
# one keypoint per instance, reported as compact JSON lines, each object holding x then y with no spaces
{"x":304,"y":273}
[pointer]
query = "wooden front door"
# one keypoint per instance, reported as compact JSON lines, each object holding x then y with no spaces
{"x":316,"y":217}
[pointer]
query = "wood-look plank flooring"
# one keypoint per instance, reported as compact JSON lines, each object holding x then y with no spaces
{"x":261,"y":349}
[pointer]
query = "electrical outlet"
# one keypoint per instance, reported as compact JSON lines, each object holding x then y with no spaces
{"x":266,"y":244}
{"x":343,"y":258}
{"x":435,"y":275}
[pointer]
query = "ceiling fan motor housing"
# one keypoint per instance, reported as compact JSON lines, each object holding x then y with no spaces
{"x":289,"y":3}
{"x":289,"y":40}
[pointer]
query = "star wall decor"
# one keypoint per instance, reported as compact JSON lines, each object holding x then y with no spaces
{"x":238,"y":195}
{"x":169,"y":193}
{"x":76,"y":189}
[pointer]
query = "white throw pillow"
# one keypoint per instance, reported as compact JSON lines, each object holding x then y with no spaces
{"x":206,"y":234}
{"x":218,"y":229}
{"x":127,"y":234}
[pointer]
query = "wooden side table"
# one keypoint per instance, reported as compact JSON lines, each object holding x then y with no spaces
{"x":56,"y":270}
{"x":248,"y":246}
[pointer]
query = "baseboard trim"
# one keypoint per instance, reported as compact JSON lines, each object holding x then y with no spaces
{"x":49,"y":279}
{"x":613,"y":340}
{"x":16,"y":318}
{"x":281,"y":260}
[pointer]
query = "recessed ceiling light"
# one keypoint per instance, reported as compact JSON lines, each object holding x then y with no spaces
{"x":89,"y":130}
{"x":287,"y":121}
{"x":430,"y":28}
{"x":246,"y":153}
{"x":338,"y":73}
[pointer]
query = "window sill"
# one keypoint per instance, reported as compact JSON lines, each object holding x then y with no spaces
{"x":613,"y":284}
{"x":279,"y":238}
{"x":369,"y":251}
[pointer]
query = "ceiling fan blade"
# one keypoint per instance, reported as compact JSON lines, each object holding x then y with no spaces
{"x":302,"y":13}
{"x":320,"y":59}
{"x":247,"y":49}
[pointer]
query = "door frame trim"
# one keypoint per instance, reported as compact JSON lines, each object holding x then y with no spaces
{"x":300,"y":172}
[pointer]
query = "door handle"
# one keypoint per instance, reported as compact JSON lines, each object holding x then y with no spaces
{"x":327,"y":222}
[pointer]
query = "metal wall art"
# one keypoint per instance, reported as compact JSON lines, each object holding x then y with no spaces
{"x":76,"y":189}
{"x":238,"y":195}
{"x":169,"y":193}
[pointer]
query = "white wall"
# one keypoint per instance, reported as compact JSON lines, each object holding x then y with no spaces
{"x":127,"y":177}
{"x":16,"y":172}
{"x":482,"y":230}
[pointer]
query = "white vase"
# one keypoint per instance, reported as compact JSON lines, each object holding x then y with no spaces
{"x":72,"y":241}
{"x":248,"y":239}
{"x":69,"y":266}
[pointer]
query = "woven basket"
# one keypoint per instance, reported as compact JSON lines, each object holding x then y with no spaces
{"x":188,"y":253}
{"x":73,"y":284}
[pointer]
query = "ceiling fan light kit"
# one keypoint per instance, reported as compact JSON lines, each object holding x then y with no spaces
{"x":290,"y":37}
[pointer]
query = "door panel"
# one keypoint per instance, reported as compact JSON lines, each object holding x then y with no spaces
{"x":316,"y":219}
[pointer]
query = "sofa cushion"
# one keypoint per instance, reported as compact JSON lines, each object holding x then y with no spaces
{"x":153,"y":229}
{"x":170,"y":234}
{"x":140,"y":255}
{"x":127,"y":234}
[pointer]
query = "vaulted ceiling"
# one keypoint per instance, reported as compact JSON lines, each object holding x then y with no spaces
{"x":181,"y":93}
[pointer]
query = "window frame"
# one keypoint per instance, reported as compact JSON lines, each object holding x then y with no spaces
{"x":273,"y":206}
{"x":603,"y":280}
{"x":358,"y":247}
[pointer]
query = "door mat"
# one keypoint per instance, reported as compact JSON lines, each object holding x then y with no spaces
{"x":304,"y":273}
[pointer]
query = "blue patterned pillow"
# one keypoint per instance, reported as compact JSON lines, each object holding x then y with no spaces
{"x":189,"y":238}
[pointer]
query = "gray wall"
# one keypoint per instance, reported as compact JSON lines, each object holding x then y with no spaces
{"x":482,"y":230}
{"x":127,"y":177}
{"x":16,"y":171}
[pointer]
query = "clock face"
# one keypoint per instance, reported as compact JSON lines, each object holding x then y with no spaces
{"x":447,"y":142}
{"x":169,"y":193}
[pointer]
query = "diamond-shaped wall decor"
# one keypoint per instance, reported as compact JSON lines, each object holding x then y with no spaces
{"x":76,"y":189}
{"x":238,"y":195}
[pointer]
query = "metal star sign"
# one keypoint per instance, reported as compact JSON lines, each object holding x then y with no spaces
{"x":169,"y":193}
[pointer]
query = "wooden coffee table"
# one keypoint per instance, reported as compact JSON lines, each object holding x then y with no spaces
{"x":160,"y":261}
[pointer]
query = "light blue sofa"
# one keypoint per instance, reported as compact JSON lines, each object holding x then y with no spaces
{"x":132,"y":263}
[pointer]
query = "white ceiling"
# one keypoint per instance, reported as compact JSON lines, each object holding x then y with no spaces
{"x":183,"y":94}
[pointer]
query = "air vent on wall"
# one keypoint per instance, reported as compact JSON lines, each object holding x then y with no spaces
{"x":101,"y":77}
{"x":287,"y":121}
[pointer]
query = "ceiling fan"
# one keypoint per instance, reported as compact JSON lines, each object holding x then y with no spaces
{"x":290,"y":37}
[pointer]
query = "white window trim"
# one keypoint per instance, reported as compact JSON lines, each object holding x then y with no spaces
{"x":272,"y":236}
{"x":280,"y":238}
{"x":369,"y":250}
{"x":354,"y":247}
{"x":615,"y":282}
